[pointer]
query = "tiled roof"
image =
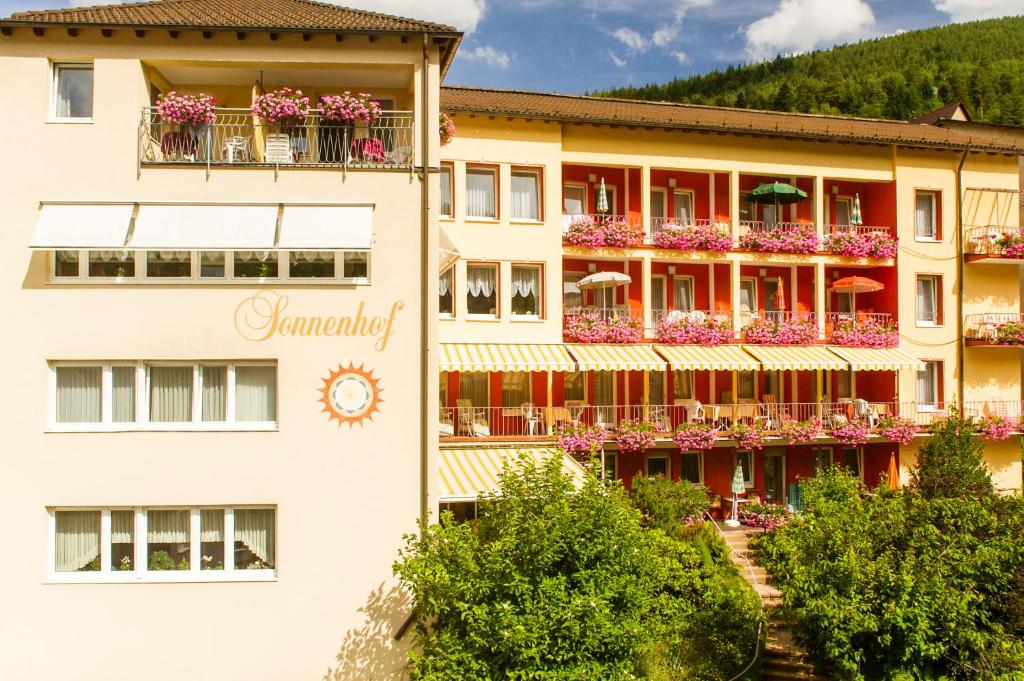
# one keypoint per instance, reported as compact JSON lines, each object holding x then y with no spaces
{"x":578,"y":108}
{"x":234,"y":14}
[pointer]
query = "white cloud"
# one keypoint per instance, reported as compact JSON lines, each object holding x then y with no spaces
{"x":802,"y":25}
{"x":630,"y":38}
{"x":488,"y":55}
{"x":666,"y":34}
{"x":616,"y":59}
{"x":681,"y":57}
{"x":969,"y":10}
{"x":463,"y":14}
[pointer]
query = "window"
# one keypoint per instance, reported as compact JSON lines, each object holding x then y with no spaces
{"x":462,"y":511}
{"x":748,"y":299}
{"x":682,"y":293}
{"x":473,"y":387}
{"x":212,"y":265}
{"x":822,"y":458}
{"x":205,"y":395}
{"x":118,"y":264}
{"x":356,"y":266}
{"x":574,"y":199}
{"x":72,"y":91}
{"x":929,"y":302}
{"x":168,"y":264}
{"x":926,"y":215}
{"x":929,"y":386}
{"x":844,"y":303}
{"x":256,"y":264}
{"x":526,"y":194}
{"x":311,"y":264}
{"x":683,"y":205}
{"x":573,"y":389}
{"x":657,"y":204}
{"x":656,"y":388}
{"x":852,"y":457}
{"x":746,"y":385}
{"x":515,"y":388}
{"x":482,"y":290}
{"x":446,"y":179}
{"x":844,"y":384}
{"x":745,"y":459}
{"x":691,"y":468}
{"x":163,"y":544}
{"x":572,"y":296}
{"x":682,"y":384}
{"x":658,"y":294}
{"x":446,"y":301}
{"x":748,"y":209}
{"x":658,"y":464}
{"x":481,"y":192}
{"x":65,"y":264}
{"x":844,"y":210}
{"x":526,"y":291}
{"x":610,"y":466}
{"x":442,"y":390}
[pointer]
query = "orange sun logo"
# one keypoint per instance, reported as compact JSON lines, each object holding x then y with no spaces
{"x":351,"y":395}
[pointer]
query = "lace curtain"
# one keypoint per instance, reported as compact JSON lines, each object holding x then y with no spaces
{"x":525,"y":281}
{"x":77,"y":540}
{"x":254,"y":527}
{"x":481,"y":280}
{"x":444,"y":283}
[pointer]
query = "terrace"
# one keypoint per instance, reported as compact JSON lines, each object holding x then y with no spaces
{"x":1004,"y":329}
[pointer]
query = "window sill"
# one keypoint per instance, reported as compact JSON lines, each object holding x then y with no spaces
{"x":162,"y":577}
{"x":928,"y":325}
{"x":481,"y":220}
{"x":446,"y":317}
{"x":527,"y":222}
{"x":71,"y":121}
{"x":927,"y":240}
{"x":446,"y":218}
{"x":482,"y":318}
{"x":255,"y":427}
{"x":527,"y":318}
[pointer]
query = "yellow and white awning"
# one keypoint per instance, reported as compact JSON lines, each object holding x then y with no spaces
{"x":796,"y":357}
{"x":704,"y":357}
{"x":610,"y":357}
{"x":465,"y":474}
{"x":877,"y":359}
{"x":504,"y":357}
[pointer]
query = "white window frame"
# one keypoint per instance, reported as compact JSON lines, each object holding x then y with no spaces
{"x":539,"y":296}
{"x":450,"y":168}
{"x":229,"y":278}
{"x":496,"y":176}
{"x":582,"y":294}
{"x":659,"y":282}
{"x":700,"y":466}
{"x":586,"y":198}
{"x":538,"y":175}
{"x":689,"y":283}
{"x":55,"y":69}
{"x":935,"y":222}
{"x":848,"y":200}
{"x":752,"y":281}
{"x":662,"y":194}
{"x":688,"y":194}
{"x":141,"y":574}
{"x":142,"y":385}
{"x":936,"y":299}
{"x":657,"y":455}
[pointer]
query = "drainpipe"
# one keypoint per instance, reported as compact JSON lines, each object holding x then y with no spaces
{"x":425,"y":287}
{"x":960,"y":278}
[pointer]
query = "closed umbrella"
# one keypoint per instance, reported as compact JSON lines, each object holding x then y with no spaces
{"x":894,"y":473}
{"x":780,"y":296}
{"x":602,"y":198}
{"x":855,"y":218}
{"x":738,"y":487}
{"x":856,"y":285}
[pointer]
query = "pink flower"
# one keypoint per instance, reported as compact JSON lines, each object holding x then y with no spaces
{"x":799,"y":330}
{"x":1012,"y":245}
{"x":349,"y":108}
{"x":995,"y":428}
{"x":634,"y":436}
{"x":865,"y":334}
{"x":685,"y":330}
{"x":581,"y":442}
{"x":853,"y":432}
{"x":695,"y":436}
{"x":603,"y":233}
{"x":1010,"y":333}
{"x":781,"y":239}
{"x":899,"y":429}
{"x":447,"y":128}
{"x":283,"y":106}
{"x":704,"y":237}
{"x":861,"y":244}
{"x":591,"y":327}
{"x":800,"y":432}
{"x":186,"y":109}
{"x":748,"y":436}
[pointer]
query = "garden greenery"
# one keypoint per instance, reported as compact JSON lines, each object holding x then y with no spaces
{"x":559,"y":581}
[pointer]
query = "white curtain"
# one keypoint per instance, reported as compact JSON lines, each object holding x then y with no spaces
{"x":925,"y":300}
{"x":923,"y":216}
{"x":170,"y":394}
{"x":122,"y":527}
{"x":253,"y":256}
{"x":573,"y":388}
{"x":170,"y":256}
{"x":445,"y":178}
{"x":167,"y":527}
{"x":444,"y":283}
{"x":74,"y":92}
{"x":481,"y":280}
{"x":683,"y":294}
{"x":525,"y":196}
{"x":111,"y":256}
{"x":515,"y":388}
{"x":926,"y":385}
{"x":215,"y":384}
{"x":480,"y":190}
{"x":254,"y":527}
{"x":312,"y":256}
{"x":256,"y":393}
{"x":78,"y":539}
{"x":79,"y":394}
{"x":682,"y":384}
{"x":683,"y":205}
{"x":525,"y":281}
{"x":656,"y":392}
{"x":574,"y":200}
{"x":211,"y":525}
{"x":122,"y":394}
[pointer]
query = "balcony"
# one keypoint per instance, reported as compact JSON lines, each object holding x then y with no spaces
{"x":689,"y":234}
{"x":861,"y":241}
{"x":597,"y":230}
{"x":994,"y":328}
{"x":774,"y":420}
{"x":779,"y":328}
{"x":994,"y":244}
{"x":862,"y":330}
{"x":691,"y":327}
{"x":618,"y":324}
{"x":237,"y":138}
{"x":777,"y":237}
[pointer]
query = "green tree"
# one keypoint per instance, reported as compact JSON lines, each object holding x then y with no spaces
{"x":950,"y":464}
{"x":557,"y":582}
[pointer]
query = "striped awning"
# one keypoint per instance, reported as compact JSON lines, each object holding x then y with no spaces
{"x":796,"y":357}
{"x":609,"y":357}
{"x":703,"y":357}
{"x":465,"y":474}
{"x":877,"y":359}
{"x":504,"y":357}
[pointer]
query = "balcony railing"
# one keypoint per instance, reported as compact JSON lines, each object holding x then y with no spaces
{"x":995,"y":328}
{"x":777,"y":237}
{"x":993,"y":240}
{"x":862,"y":329}
{"x":867,"y":230}
{"x":779,"y":327}
{"x":531,"y":421}
{"x":702,"y":327}
{"x":598,"y":230}
{"x":237,"y":138}
{"x":619,"y":324}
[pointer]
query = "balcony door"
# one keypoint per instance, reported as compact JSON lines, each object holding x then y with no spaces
{"x":844,"y":210}
{"x":658,"y":205}
{"x":682,"y":294}
{"x":658,"y":292}
{"x":604,"y":398}
{"x":683,"y":205}
{"x":748,"y":300}
{"x":775,"y":475}
{"x":574,"y":199}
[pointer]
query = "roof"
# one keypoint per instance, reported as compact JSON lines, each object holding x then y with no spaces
{"x":948,"y":112}
{"x":233,"y":14}
{"x":583,"y":109}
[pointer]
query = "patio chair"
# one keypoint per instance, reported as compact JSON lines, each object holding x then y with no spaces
{"x":446,"y":427}
{"x":658,"y":415}
{"x":472,"y":421}
{"x":533,"y":418}
{"x":279,"y":148}
{"x":236,"y":149}
{"x":862,"y":410}
{"x":576,"y":409}
{"x":697,"y":316}
{"x":770,"y":413}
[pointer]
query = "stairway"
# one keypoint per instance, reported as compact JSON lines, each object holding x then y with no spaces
{"x":783,"y":657}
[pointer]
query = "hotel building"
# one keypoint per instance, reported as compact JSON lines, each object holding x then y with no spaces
{"x":236,"y":387}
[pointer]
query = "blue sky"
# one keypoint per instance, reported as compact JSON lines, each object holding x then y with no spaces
{"x":583,"y":45}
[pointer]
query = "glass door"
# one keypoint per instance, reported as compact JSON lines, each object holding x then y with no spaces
{"x":774,"y":476}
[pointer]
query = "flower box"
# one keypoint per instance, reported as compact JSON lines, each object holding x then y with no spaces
{"x":791,"y":331}
{"x":591,"y":327}
{"x":692,"y":238}
{"x":687,"y":330}
{"x":446,"y":127}
{"x":899,"y":429}
{"x":350,"y":109}
{"x":187,"y":109}
{"x":634,"y":436}
{"x":1011,"y":245}
{"x":603,"y":233}
{"x":1010,"y":333}
{"x":865,"y":334}
{"x":860,"y":244}
{"x":791,"y":239}
{"x":695,"y":437}
{"x":800,"y":432}
{"x":581,"y":442}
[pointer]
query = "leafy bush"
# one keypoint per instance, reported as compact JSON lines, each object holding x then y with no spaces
{"x":559,"y":582}
{"x":950,"y":464}
{"x":668,"y":505}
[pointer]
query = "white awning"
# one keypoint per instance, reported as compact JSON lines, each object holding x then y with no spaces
{"x":210,"y":227}
{"x":327,"y":227}
{"x":447,"y":254}
{"x":74,"y":226}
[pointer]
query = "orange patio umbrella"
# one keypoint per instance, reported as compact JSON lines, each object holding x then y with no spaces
{"x":894,"y":473}
{"x":856,"y":285}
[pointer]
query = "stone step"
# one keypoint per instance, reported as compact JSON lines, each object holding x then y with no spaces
{"x":771,"y":675}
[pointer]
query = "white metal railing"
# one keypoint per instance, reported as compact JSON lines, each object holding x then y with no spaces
{"x":859,"y":229}
{"x":986,"y":240}
{"x":603,"y":313}
{"x":997,"y":327}
{"x":658,"y":224}
{"x":530,"y":420}
{"x":237,"y":138}
{"x":693,"y":316}
{"x":569,"y":219}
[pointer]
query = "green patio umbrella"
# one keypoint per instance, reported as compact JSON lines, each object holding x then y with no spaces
{"x":738,"y":487}
{"x":602,"y":198}
{"x":777,"y":193}
{"x":855,"y":217}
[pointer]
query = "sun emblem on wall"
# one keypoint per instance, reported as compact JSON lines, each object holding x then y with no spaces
{"x":351,"y":395}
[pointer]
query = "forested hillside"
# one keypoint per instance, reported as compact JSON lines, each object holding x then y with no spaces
{"x":900,"y":77}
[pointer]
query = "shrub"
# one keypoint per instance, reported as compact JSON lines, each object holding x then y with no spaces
{"x":669,"y":505}
{"x":766,"y":516}
{"x":684,"y":330}
{"x":558,"y":582}
{"x":950,"y":464}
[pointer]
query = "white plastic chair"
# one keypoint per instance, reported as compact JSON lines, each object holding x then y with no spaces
{"x":533,"y":418}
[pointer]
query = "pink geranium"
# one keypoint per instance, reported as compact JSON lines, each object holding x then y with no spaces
{"x":853,"y":432}
{"x":446,"y":127}
{"x":865,"y":334}
{"x":284,"y":106}
{"x":899,"y":429}
{"x":705,"y":237}
{"x":1010,"y":333}
{"x":748,"y":436}
{"x":591,"y":327}
{"x":860,"y":244}
{"x":634,"y":436}
{"x":781,"y":239}
{"x":603,"y":233}
{"x":1012,"y":245}
{"x":349,"y":108}
{"x":187,"y":109}
{"x":695,"y":437}
{"x":995,"y":428}
{"x":580,"y":441}
{"x":799,"y":432}
{"x":685,"y":330}
{"x":799,"y":330}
